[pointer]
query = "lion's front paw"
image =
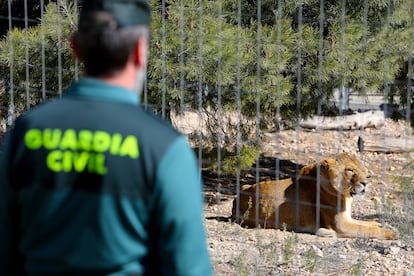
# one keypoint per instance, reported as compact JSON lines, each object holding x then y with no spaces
{"x":326,"y":233}
{"x":390,"y":235}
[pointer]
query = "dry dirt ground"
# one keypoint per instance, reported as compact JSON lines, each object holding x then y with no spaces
{"x":238,"y":251}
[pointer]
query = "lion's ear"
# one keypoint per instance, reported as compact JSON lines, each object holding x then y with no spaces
{"x":306,"y":170}
{"x":346,"y":155}
{"x":331,"y":167}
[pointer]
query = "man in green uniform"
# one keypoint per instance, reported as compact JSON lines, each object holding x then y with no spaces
{"x":91,"y":184}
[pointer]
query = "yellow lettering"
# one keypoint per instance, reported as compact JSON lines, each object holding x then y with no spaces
{"x":101,"y":141}
{"x":100,"y":164}
{"x":67,"y":161}
{"x":85,"y":140}
{"x":80,"y":160}
{"x":54,"y":161}
{"x":33,"y":139}
{"x":68,"y":140}
{"x":80,"y":151}
{"x":91,"y":164}
{"x":116,"y":143}
{"x":129,"y":147}
{"x":51,"y":138}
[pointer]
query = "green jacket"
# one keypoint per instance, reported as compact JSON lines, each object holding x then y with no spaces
{"x":93,"y":183}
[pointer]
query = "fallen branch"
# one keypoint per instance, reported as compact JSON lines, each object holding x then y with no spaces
{"x":369,"y":119}
{"x":385,"y":144}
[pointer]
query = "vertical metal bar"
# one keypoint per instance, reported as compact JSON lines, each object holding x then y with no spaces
{"x":258,"y":103}
{"x":279,"y":43}
{"x":10,"y":115}
{"x":343,"y":81}
{"x":298,"y":93}
{"x":410,"y":76}
{"x":181,"y":57}
{"x":279,"y":23}
{"x":163,"y":59}
{"x":76,"y":9}
{"x":298,"y":101}
{"x":59,"y":46}
{"x":200,"y":83}
{"x":343,"y":49}
{"x":26,"y":51}
{"x":42,"y":49}
{"x":386,"y":82}
{"x":409,"y":125}
{"x":320,"y":88}
{"x":364,"y":51}
{"x":238,"y":103}
{"x":258,"y":91}
{"x":219,"y":91}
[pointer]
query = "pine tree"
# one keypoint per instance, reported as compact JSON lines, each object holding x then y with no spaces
{"x":37,"y":61}
{"x":281,"y":60}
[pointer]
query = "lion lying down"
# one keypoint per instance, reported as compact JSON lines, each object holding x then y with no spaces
{"x":293,"y":204}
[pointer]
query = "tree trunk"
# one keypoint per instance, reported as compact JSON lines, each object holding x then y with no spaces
{"x":384,"y":144}
{"x":347,"y":122}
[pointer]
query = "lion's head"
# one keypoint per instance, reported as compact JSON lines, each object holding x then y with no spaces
{"x":343,"y":174}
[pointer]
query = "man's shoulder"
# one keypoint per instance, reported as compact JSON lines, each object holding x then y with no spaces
{"x":40,"y":112}
{"x":42,"y":109}
{"x":158,"y":124}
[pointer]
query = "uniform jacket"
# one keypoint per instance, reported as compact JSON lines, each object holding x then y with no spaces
{"x":91,"y":183}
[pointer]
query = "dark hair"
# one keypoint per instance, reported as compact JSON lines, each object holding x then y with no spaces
{"x":103,"y":47}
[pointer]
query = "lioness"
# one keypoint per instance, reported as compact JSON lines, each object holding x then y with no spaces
{"x":302,"y":205}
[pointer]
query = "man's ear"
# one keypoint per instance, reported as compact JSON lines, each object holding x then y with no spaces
{"x":74,"y":47}
{"x":140,"y":52}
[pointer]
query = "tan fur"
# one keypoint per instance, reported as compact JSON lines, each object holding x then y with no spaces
{"x":292,"y":204}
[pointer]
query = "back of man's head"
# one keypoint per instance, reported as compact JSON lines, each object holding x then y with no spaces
{"x":107,"y":33}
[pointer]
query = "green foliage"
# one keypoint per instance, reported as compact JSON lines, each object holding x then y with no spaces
{"x":19,"y":9}
{"x":241,"y":264}
{"x":232,"y":163}
{"x":406,"y":189}
{"x":275,"y":62}
{"x":356,"y":269}
{"x":213,"y":58}
{"x":310,"y":260}
{"x":288,"y":249}
{"x":210,"y":56}
{"x":247,"y":213}
{"x":268,"y":249}
{"x":39,"y":58}
{"x":202,"y":55}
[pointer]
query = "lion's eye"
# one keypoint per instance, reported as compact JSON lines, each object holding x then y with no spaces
{"x":349,"y":173}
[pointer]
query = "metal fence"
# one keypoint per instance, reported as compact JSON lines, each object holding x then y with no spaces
{"x":261,"y":88}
